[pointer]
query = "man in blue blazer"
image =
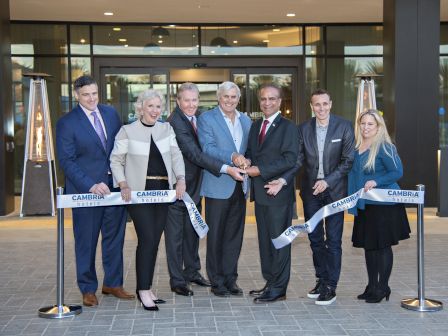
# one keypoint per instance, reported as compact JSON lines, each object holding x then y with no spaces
{"x":223,"y":134}
{"x":84,"y":139}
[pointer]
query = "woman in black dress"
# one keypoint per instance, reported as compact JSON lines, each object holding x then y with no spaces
{"x":377,"y":226}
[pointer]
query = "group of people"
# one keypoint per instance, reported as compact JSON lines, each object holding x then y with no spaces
{"x":223,"y":156}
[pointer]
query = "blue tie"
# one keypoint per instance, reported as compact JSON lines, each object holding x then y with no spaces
{"x":99,"y":128}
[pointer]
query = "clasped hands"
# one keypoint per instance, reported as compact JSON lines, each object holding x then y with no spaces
{"x":242,"y":166}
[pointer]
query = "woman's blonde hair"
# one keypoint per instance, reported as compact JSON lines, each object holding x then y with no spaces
{"x":381,"y":138}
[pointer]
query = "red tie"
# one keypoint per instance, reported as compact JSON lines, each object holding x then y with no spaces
{"x":263,"y":132}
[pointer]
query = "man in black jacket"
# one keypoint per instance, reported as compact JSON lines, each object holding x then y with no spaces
{"x":326,"y":153}
{"x":181,"y":240}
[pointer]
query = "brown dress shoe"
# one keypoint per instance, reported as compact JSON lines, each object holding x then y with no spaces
{"x":89,"y":299}
{"x":118,"y":292}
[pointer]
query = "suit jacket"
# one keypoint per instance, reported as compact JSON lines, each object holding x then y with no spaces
{"x":129,"y":158}
{"x":338,"y":156}
{"x":81,"y":155}
{"x":274,"y":157}
{"x":216,"y":141}
{"x":195,"y":160}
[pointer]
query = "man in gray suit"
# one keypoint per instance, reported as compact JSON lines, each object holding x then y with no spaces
{"x":326,"y":153}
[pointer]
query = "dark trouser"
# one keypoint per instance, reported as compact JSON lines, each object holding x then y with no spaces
{"x":87,"y":225}
{"x":225,"y":218}
{"x":275,"y":264}
{"x":325,"y":243}
{"x":182,"y":244}
{"x":149,"y":221}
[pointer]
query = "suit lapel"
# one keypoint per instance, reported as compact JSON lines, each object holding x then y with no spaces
{"x":88,"y":127}
{"x":272,"y":128}
{"x":184,"y":118}
{"x":223,"y":124}
{"x":313,"y":139}
{"x":329,"y":136}
{"x":107,"y":124}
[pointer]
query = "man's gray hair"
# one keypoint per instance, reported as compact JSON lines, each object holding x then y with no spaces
{"x":226,"y":86}
{"x":188,"y":86}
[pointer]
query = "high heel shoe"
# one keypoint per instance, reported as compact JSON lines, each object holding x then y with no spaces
{"x":152,"y":308}
{"x":367,"y":293}
{"x":379,"y":295}
{"x":159,"y":301}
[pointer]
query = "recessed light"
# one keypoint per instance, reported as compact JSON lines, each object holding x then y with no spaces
{"x":108,"y":13}
{"x":291,"y":14}
{"x":82,"y":40}
{"x":265,"y":41}
{"x":160,"y":36}
{"x":160,"y":41}
{"x":235,"y":41}
{"x":126,"y":45}
{"x":172,"y":26}
{"x":122,"y":40}
{"x":116,"y":29}
{"x":276,"y":29}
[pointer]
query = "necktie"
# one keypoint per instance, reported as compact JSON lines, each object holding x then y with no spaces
{"x":99,"y":128}
{"x":263,"y":132}
{"x":193,"y":123}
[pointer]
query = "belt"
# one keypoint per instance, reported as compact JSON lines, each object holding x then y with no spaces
{"x":157,"y":178}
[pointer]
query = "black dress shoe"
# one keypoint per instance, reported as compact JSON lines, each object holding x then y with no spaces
{"x":234,"y":289}
{"x":182,"y":290}
{"x":269,"y":296}
{"x":220,"y":291}
{"x":258,"y":292}
{"x":151,"y":308}
{"x":200,"y":281}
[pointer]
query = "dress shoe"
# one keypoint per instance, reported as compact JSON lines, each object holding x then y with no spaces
{"x":220,"y":291}
{"x":182,"y":290}
{"x":89,"y":299}
{"x":234,"y":289}
{"x":258,"y":292}
{"x":200,"y":281}
{"x":118,"y":292}
{"x":378,"y":295}
{"x":269,"y":296}
{"x":151,"y":308}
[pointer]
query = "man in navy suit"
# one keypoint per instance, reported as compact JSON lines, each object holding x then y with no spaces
{"x":84,"y":139}
{"x":273,"y":149}
{"x":223,"y":134}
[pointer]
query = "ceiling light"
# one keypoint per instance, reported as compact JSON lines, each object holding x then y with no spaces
{"x":122,"y":40}
{"x":276,"y":29}
{"x":160,"y":41}
{"x":160,"y":32}
{"x":108,"y":13}
{"x":212,"y":51}
{"x":291,"y":14}
{"x":235,"y":41}
{"x":126,"y":45}
{"x":265,"y":41}
{"x":172,"y":26}
{"x":116,"y":29}
{"x":82,"y":40}
{"x":219,"y":42}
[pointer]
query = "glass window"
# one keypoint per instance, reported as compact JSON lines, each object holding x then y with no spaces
{"x":443,"y":106}
{"x":314,"y":75}
{"x":58,"y":98}
{"x":444,"y":38}
{"x":145,"y":40}
{"x":79,"y":40}
{"x":355,"y":40}
{"x":38,"y":39}
{"x":251,"y":40}
{"x":343,"y":84}
{"x":314,"y":41}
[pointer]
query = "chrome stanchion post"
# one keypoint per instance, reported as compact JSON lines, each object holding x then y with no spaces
{"x":60,"y":310}
{"x":421,"y":304}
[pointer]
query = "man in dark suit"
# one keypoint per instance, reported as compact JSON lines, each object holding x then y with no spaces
{"x":326,"y":154}
{"x":181,"y":241}
{"x":84,"y":139}
{"x":223,"y":134}
{"x":273,"y":149}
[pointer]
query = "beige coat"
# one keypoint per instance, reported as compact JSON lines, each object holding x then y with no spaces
{"x":129,"y":158}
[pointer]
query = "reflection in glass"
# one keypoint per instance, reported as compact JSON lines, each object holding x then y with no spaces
{"x":444,"y":38}
{"x":343,"y":85}
{"x":443,"y":106}
{"x":282,"y":80}
{"x":79,"y":40}
{"x":145,"y":40}
{"x":251,"y":40}
{"x":314,"y":75}
{"x":240,"y":80}
{"x":314,"y":41}
{"x":38,"y":39}
{"x":355,"y":40}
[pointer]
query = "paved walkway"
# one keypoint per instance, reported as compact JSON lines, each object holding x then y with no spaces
{"x":28,"y":278}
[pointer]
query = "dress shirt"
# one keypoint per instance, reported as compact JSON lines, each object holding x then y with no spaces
{"x":321,"y":134}
{"x":271,"y":120}
{"x":236,"y":131}
{"x":91,"y":119}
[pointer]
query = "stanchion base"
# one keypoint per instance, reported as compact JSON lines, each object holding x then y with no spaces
{"x":428,"y":305}
{"x":56,"y":312}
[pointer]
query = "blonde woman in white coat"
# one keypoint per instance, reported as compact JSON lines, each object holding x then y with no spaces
{"x":146,"y":157}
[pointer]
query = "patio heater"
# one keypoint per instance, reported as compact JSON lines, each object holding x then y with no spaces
{"x":39,"y":170}
{"x":366,"y":93}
